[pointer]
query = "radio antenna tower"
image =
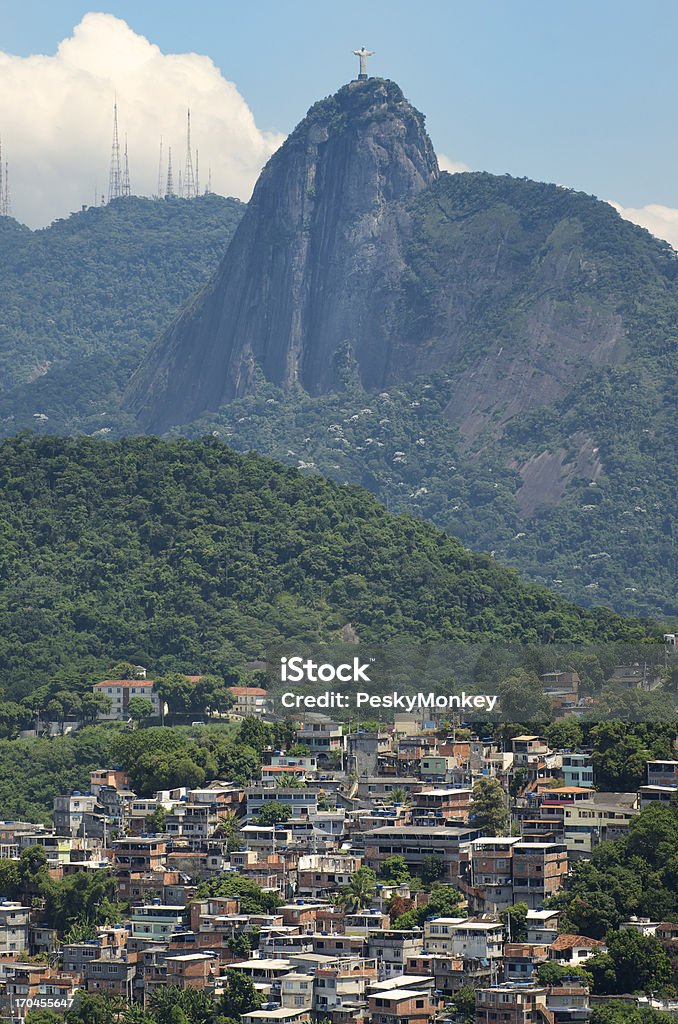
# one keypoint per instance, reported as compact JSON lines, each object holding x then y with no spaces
{"x":197,"y":174}
{"x":7,"y":204}
{"x":169,"y":190}
{"x":160,"y":170}
{"x":126,"y":187}
{"x":208,"y":191}
{"x":180,"y":187}
{"x":115,"y":174}
{"x":189,"y":179}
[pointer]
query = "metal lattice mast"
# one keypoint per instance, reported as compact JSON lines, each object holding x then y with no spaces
{"x":160,"y":170}
{"x":5,"y":204}
{"x":115,"y":174}
{"x":126,"y":187}
{"x":197,"y":174}
{"x":169,"y":190}
{"x":6,"y":199}
{"x":189,"y":178}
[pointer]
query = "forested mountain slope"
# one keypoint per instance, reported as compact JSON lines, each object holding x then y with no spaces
{"x":494,"y":355}
{"x":82,"y":299}
{"x":185,"y":555}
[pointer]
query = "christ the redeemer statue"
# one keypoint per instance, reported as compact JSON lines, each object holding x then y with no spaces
{"x":363,"y":54}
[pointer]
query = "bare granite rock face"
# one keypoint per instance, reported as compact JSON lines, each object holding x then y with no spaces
{"x":305,"y":284}
{"x":357,"y":262}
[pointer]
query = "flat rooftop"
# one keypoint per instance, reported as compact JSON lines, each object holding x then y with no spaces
{"x":420,"y":831}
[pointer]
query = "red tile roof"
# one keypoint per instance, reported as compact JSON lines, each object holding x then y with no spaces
{"x":125,"y":682}
{"x":572,"y":941}
{"x":570,"y":789}
{"x":139,"y":682}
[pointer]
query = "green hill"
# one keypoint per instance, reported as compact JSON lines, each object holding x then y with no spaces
{"x":605,"y":542}
{"x":546,"y":325}
{"x":496,"y":356}
{"x":185,"y":555}
{"x":82,"y":300}
{"x":548,"y":435}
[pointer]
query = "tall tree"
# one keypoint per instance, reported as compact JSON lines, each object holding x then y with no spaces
{"x":432,"y":869}
{"x":360,"y":891}
{"x":140,"y":710}
{"x":514,"y":919}
{"x":522,"y":698}
{"x":488,"y":810}
{"x":394,"y":869}
{"x":239,"y":996}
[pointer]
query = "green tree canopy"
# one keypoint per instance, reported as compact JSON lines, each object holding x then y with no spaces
{"x":432,"y":869}
{"x":514,"y":919}
{"x":253,"y":899}
{"x":273,"y":813}
{"x":394,"y":869}
{"x":240,"y":995}
{"x":522,"y":698}
{"x":488,"y":810}
{"x":140,"y":709}
{"x":633,"y":963}
{"x":360,"y":891}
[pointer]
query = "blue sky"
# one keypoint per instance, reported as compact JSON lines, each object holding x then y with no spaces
{"x":582,"y":92}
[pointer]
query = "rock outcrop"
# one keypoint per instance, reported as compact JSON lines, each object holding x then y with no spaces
{"x":357,"y":262}
{"x":304,"y":290}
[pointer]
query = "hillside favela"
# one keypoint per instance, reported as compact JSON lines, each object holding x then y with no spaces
{"x":338,"y":609}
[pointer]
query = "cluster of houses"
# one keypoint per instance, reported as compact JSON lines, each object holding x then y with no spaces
{"x":249,"y":701}
{"x":402,"y":792}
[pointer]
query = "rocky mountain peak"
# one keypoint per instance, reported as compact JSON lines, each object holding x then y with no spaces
{"x":290,"y":295}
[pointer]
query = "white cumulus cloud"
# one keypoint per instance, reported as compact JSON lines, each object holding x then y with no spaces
{"x":453,"y":166}
{"x":56,"y":120}
{"x":661,"y":221}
